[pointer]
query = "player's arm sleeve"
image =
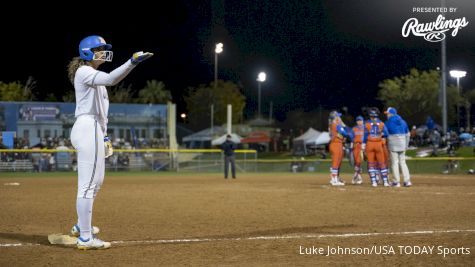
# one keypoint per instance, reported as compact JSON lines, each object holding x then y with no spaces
{"x":103,"y":123}
{"x":350,"y":133}
{"x":341,"y":130}
{"x":94,"y":77}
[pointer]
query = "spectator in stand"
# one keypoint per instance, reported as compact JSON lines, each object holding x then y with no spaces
{"x":435,"y":141}
{"x":413,"y":136}
{"x":430,"y":123}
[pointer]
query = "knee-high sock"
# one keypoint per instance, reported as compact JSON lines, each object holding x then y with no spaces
{"x":372,"y":174}
{"x":384,"y":174}
{"x":373,"y":171}
{"x":357,"y":170}
{"x":334,"y":173}
{"x":84,"y":210}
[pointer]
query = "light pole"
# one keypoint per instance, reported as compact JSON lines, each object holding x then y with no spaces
{"x":183,"y":117}
{"x":217,"y":50}
{"x":458,"y":74}
{"x":260,"y":79}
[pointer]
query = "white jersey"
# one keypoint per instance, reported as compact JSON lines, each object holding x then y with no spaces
{"x":91,"y":93}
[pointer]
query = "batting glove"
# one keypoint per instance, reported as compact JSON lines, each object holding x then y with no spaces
{"x":108,"y":147}
{"x":140,"y":56}
{"x":363,"y":147}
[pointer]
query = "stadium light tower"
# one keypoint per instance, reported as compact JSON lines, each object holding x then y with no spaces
{"x":458,"y":74}
{"x":260,"y":79}
{"x":218,"y":50}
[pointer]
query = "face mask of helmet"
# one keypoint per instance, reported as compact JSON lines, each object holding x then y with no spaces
{"x":103,"y":56}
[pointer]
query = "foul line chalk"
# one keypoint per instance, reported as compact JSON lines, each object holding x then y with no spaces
{"x":199,"y":240}
{"x":192,"y":240}
{"x":19,"y":245}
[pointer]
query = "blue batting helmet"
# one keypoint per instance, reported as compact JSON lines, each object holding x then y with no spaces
{"x":89,"y":43}
{"x":373,"y":113}
{"x":334,"y":114}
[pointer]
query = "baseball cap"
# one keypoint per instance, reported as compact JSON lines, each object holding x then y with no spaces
{"x":335,"y":114}
{"x":359,"y":118}
{"x":391,"y":111}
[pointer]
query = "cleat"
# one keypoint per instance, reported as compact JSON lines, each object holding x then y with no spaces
{"x":396,"y":184}
{"x":407,"y":184}
{"x":340,"y":181}
{"x":336,"y":183}
{"x":386,"y":184}
{"x":75,"y":231}
{"x":92,"y":243}
{"x":374,"y":184}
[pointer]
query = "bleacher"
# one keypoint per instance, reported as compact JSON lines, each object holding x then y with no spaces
{"x":63,"y":161}
{"x":17,"y":165}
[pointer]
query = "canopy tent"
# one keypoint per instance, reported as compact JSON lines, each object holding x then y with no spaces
{"x":258,"y":140}
{"x":310,"y":138}
{"x":322,"y":139}
{"x":257,"y":137}
{"x":202,"y":139}
{"x":308,"y":135}
{"x":220,"y":140}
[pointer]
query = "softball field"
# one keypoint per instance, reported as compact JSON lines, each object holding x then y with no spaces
{"x":259,"y":219}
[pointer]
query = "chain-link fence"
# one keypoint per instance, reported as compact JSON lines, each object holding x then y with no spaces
{"x":202,"y":160}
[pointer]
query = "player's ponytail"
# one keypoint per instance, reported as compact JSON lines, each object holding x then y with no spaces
{"x":73,"y":66}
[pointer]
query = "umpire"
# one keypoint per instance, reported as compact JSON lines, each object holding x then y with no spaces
{"x":228,"y":148}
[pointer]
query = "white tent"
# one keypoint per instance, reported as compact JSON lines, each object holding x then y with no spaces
{"x":220,"y":140}
{"x":202,"y":139}
{"x":310,"y":134}
{"x":322,"y":139}
{"x":311,"y":137}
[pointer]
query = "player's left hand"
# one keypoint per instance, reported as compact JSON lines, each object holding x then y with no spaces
{"x":140,"y":56}
{"x":108,"y":150}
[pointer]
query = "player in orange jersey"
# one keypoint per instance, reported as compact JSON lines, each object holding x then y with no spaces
{"x":338,"y":134}
{"x":356,"y":143}
{"x":375,"y":132}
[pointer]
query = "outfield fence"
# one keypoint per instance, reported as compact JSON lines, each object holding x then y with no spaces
{"x":202,"y":160}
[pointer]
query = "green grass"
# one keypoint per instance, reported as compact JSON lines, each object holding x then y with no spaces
{"x":286,"y":155}
{"x":461,"y":152}
{"x":465,"y":151}
{"x":415,"y":166}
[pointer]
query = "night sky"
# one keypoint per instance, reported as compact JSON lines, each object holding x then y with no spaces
{"x":329,"y":53}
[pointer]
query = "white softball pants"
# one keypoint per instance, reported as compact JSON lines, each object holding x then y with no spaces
{"x":88,"y":139}
{"x":398,"y":158}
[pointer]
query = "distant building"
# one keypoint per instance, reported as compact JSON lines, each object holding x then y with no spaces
{"x":39,"y":120}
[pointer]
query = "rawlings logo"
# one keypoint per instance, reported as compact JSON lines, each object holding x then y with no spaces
{"x":433,"y":31}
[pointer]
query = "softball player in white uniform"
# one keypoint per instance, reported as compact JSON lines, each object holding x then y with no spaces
{"x":88,"y":134}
